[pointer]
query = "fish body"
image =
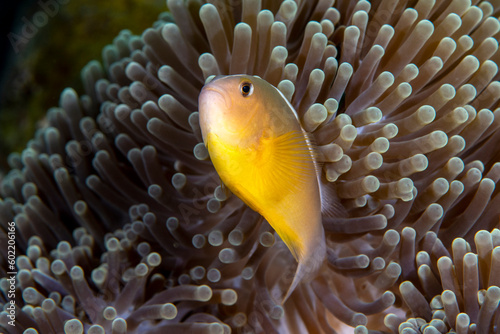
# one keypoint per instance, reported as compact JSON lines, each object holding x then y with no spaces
{"x":263,"y":155}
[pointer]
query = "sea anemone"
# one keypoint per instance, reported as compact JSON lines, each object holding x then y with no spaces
{"x":121,"y":225}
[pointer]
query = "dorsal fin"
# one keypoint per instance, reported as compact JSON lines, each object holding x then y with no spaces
{"x":330,"y":202}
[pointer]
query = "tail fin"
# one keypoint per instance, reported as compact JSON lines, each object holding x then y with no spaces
{"x":308,"y":266}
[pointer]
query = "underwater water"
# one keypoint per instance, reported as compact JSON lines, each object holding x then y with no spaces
{"x":45,"y":45}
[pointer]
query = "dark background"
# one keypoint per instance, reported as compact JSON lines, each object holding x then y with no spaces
{"x":32,"y":79}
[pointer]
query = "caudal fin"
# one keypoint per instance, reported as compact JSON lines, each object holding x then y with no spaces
{"x":308,"y":267}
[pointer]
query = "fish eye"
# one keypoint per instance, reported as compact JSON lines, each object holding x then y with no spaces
{"x":246,"y":89}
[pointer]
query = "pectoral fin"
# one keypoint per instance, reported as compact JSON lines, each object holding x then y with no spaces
{"x":297,"y":216}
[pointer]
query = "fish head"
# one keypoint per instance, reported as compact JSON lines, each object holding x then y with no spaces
{"x":230,"y":106}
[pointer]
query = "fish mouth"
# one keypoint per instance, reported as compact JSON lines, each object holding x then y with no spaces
{"x":217,"y":77}
{"x":208,"y":96}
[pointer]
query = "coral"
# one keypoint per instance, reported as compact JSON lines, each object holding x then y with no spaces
{"x":125,"y":228}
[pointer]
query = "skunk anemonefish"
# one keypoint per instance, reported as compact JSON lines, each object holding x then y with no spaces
{"x":262,"y":154}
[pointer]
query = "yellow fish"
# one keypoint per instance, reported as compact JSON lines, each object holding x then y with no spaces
{"x":262,"y":154}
